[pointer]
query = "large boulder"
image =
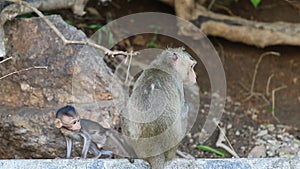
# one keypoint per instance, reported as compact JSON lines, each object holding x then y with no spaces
{"x":29,"y":97}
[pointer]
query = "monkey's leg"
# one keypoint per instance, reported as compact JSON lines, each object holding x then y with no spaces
{"x":69,"y":146}
{"x":98,"y":153}
{"x":156,"y":162}
{"x":170,"y":154}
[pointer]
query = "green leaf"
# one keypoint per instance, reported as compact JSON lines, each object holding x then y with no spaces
{"x":264,"y":124}
{"x":152,"y":43}
{"x":269,"y":109}
{"x":29,"y":15}
{"x":70,"y":22}
{"x":255,"y":2}
{"x":94,"y":26}
{"x":212,"y":150}
{"x":5,"y":39}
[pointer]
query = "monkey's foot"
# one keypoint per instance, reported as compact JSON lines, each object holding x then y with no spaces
{"x":131,"y":160}
{"x":98,"y":156}
{"x":106,"y":153}
{"x":77,"y":158}
{"x":103,"y":152}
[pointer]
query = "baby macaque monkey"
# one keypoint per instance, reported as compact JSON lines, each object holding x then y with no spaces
{"x":156,"y":117}
{"x":95,"y":136}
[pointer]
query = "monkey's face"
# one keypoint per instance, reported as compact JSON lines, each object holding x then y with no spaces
{"x":71,"y":123}
{"x":185,"y":67}
{"x":191,"y":75}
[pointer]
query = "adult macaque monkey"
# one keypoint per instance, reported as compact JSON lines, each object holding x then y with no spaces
{"x":156,"y":117}
{"x":95,"y":136}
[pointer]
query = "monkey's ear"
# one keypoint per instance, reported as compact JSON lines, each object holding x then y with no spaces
{"x":58,"y":123}
{"x":174,"y":56}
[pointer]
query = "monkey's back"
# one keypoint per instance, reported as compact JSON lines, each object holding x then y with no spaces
{"x":155,"y":104}
{"x":95,"y":130}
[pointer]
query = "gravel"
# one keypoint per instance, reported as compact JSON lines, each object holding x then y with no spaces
{"x":276,"y":141}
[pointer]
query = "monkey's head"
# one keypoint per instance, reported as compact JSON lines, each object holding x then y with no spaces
{"x":183,"y":63}
{"x":68,"y":118}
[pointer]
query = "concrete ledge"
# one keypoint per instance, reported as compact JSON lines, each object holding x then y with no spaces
{"x":243,"y":163}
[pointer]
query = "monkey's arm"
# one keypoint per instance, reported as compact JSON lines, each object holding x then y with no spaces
{"x":69,"y":140}
{"x":69,"y":146}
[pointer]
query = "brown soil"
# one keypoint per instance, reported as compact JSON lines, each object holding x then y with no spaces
{"x":239,"y":62}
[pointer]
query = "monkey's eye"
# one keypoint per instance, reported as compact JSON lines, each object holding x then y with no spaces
{"x":74,"y":122}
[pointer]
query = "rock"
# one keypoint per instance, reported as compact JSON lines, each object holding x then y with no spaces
{"x":228,"y":99}
{"x":277,"y":141}
{"x":262,"y":133}
{"x":270,"y":153}
{"x":75,"y":74}
{"x":258,"y":152}
{"x":229,"y":126}
{"x":254,"y":116}
{"x":271,"y":127}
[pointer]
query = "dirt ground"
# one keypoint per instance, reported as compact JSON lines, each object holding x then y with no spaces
{"x":239,"y":62}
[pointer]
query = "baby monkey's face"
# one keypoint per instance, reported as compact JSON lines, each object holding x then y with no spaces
{"x":72,"y":123}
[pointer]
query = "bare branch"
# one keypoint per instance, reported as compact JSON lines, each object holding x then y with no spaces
{"x":184,"y":154}
{"x":23,"y":70}
{"x":128,"y":69}
{"x":257,"y":66}
{"x":225,"y":9}
{"x":211,"y":4}
{"x":252,"y":93}
{"x":268,"y":85}
{"x":5,"y":60}
{"x":221,"y":139}
{"x":273,"y":100}
{"x":66,"y":41}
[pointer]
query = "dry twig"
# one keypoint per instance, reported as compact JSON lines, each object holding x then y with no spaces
{"x":184,"y":154}
{"x":273,"y":100}
{"x":225,"y":9}
{"x":211,"y":4}
{"x":4,"y":60}
{"x":252,"y":93}
{"x":222,"y":137}
{"x":222,"y":55}
{"x":128,"y":68}
{"x":268,"y":85}
{"x":66,"y":41}
{"x":23,"y":70}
